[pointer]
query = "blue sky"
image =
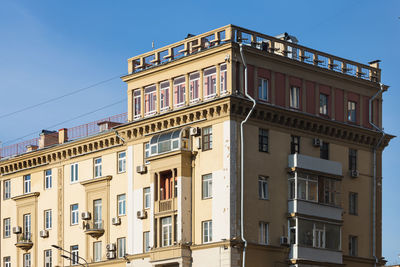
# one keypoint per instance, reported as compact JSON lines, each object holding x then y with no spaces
{"x":50,"y":48}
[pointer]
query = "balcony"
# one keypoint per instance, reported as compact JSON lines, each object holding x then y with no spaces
{"x":94,"y":228}
{"x":315,"y":164}
{"x":298,"y":253}
{"x":24,"y":241}
{"x":314,"y":209}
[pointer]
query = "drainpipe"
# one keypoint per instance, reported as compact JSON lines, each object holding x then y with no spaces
{"x":242,"y":156}
{"x":117,"y":134}
{"x":382,"y":89}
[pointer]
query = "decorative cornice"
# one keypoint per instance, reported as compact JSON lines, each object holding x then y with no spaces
{"x":25,"y":196}
{"x":96,"y":180}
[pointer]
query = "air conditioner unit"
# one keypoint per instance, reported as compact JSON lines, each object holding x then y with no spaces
{"x":195,"y":131}
{"x":116,"y":221}
{"x":141,"y":169}
{"x":111,"y":247}
{"x":284,"y":241}
{"x":110,"y":255}
{"x":354,"y":173}
{"x":316,"y":142}
{"x":17,"y":230}
{"x":141,"y":214}
{"x":86,"y":216}
{"x":44,"y":233}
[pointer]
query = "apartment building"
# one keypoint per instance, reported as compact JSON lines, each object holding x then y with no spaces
{"x":164,"y":188}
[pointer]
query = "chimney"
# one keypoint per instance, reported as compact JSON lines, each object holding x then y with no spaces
{"x":107,"y":125}
{"x":48,"y":138}
{"x":30,"y":148}
{"x":62,"y":135}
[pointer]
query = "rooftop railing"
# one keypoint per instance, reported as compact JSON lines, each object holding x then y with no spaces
{"x":268,"y":44}
{"x":76,"y":132}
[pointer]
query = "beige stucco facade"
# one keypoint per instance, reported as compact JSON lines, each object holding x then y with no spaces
{"x":176,"y":200}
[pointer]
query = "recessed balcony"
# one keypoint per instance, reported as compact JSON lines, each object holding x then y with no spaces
{"x":94,"y":228}
{"x":24,"y":241}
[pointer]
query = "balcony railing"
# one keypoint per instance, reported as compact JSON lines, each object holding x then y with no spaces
{"x":94,"y":228}
{"x":165,"y":205}
{"x":24,"y":241}
{"x":268,"y":44}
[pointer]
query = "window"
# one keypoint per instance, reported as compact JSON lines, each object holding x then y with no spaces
{"x":121,"y":205}
{"x":164,"y":96}
{"x":47,"y":258}
{"x":351,"y":113}
{"x":74,"y":255}
{"x":147,"y":196}
{"x":210,"y":82}
{"x":223,"y":79}
{"x":121,"y":247}
{"x":47,"y":219}
{"x":27,"y":225}
{"x":318,"y":234}
{"x":294,"y":97}
{"x":353,"y":245}
{"x":207,"y":138}
{"x":74,"y":214}
{"x":263,"y":233}
{"x":121,"y":162}
{"x":27,"y":184}
{"x":97,"y":214}
{"x":27,"y":260}
{"x":262,"y":140}
{"x":47,"y":179}
{"x":146,"y":241}
{"x":329,"y":191}
{"x":97,"y":251}
{"x":7,"y":261}
{"x":7,"y":189}
{"x":137,"y":102}
{"x":97,"y":167}
{"x":179,"y":91}
{"x":207,"y":231}
{"x":324,"y":150}
{"x":7,"y":227}
{"x":263,"y":187}
{"x":194,"y":87}
{"x":352,"y":159}
{"x":307,"y":187}
{"x":147,"y":152}
{"x":166,"y":231}
{"x":295,"y":144}
{"x":263,"y":89}
{"x":150,"y":98}
{"x":353,"y":203}
{"x":74,"y":172}
{"x":207,"y":186}
{"x":323,"y":104}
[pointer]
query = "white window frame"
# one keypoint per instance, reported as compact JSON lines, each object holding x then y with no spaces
{"x":74,"y":255}
{"x":97,"y":213}
{"x":74,"y":214}
{"x":137,"y":104}
{"x":206,"y":182}
{"x":48,"y":258}
{"x":27,"y":259}
{"x":263,"y":233}
{"x":263,"y":188}
{"x":164,"y":95}
{"x":295,"y":97}
{"x":194,"y":86}
{"x":263,"y":86}
{"x":7,"y":261}
{"x":48,"y":219}
{"x":210,"y":91}
{"x":97,"y":167}
{"x":150,"y":100}
{"x":7,"y":189}
{"x":146,"y":198}
{"x":27,"y":183}
{"x":323,"y":106}
{"x":48,"y":179}
{"x":97,"y":251}
{"x":121,"y":204}
{"x":74,"y":173}
{"x":146,"y":241}
{"x":166,"y":231}
{"x":121,"y":247}
{"x":319,"y":237}
{"x":207,"y":231}
{"x":179,"y":88}
{"x":223,"y":79}
{"x":7,"y":227}
{"x":27,"y":223}
{"x":121,"y":161}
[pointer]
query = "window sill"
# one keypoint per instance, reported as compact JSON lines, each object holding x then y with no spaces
{"x":206,"y":198}
{"x":121,"y":172}
{"x":121,"y":215}
{"x":263,"y":199}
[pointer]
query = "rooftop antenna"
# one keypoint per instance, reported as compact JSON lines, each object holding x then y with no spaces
{"x":152,"y":45}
